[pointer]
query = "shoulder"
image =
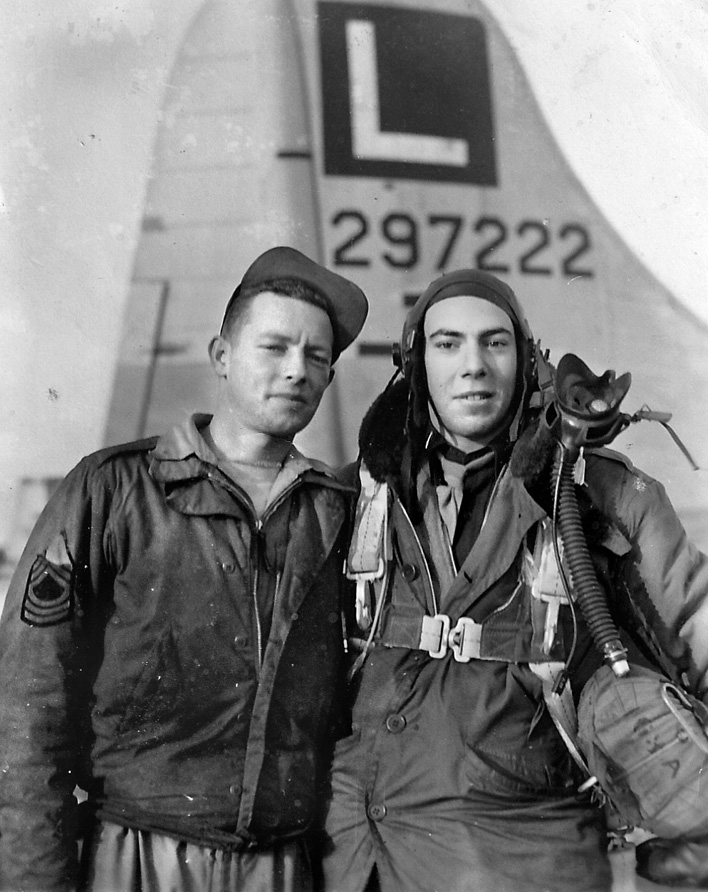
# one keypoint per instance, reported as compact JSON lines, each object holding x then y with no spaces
{"x":325,"y":480}
{"x":612,"y":466}
{"x":121,"y":451}
{"x":634,"y":500}
{"x":348,"y":475}
{"x":316,"y":466}
{"x":107,"y":465}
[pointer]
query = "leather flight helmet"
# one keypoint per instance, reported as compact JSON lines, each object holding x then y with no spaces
{"x":409,"y":354}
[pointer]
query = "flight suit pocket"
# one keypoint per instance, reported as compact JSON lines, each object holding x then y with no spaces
{"x":543,"y":772}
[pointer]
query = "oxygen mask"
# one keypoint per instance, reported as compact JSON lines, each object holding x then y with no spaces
{"x":586,"y":408}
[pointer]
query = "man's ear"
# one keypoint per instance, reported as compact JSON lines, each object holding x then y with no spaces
{"x":219,"y":354}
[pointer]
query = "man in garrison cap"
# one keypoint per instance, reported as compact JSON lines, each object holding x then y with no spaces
{"x":171,"y":642}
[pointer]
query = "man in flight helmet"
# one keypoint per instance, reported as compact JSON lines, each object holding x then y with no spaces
{"x":455,"y":776}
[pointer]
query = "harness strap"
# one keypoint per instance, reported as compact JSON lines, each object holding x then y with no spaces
{"x":500,"y":638}
{"x":367,"y":556}
{"x":506,"y":635}
{"x":561,"y":709}
{"x":544,"y":578}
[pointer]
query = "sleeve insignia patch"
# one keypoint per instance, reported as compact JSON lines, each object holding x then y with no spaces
{"x":47,"y":600}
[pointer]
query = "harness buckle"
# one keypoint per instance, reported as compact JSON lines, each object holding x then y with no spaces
{"x":434,"y":635}
{"x":465,"y":639}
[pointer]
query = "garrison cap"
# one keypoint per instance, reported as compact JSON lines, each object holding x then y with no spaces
{"x":346,"y":303}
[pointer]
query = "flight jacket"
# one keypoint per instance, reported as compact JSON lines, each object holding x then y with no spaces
{"x":656,"y":582}
{"x":135,"y":665}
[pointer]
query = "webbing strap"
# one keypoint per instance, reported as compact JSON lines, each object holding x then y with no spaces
{"x":561,"y":709}
{"x":366,"y":560}
{"x":543,"y":577}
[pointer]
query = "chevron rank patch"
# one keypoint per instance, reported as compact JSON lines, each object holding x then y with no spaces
{"x":47,"y":600}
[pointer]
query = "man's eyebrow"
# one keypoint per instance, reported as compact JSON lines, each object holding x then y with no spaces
{"x":286,"y":338}
{"x":275,"y":334}
{"x":486,"y":333}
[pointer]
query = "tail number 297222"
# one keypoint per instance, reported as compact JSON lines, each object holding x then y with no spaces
{"x":402,"y":241}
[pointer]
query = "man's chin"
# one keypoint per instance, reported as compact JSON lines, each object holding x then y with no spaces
{"x":480,"y":428}
{"x":469,"y":439}
{"x":286,"y":428}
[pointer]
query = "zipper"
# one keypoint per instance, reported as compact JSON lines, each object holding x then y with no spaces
{"x":256,"y":525}
{"x":508,"y":601}
{"x":254,"y":594}
{"x":235,"y":489}
{"x":257,"y":529}
{"x":450,"y":552}
{"x":424,"y":560}
{"x":491,"y":498}
{"x":256,"y":579}
{"x":278,"y":577}
{"x":257,"y":522}
{"x":273,"y":505}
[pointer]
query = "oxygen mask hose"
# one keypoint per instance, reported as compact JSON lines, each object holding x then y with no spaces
{"x":586,"y":590}
{"x":585,"y":412}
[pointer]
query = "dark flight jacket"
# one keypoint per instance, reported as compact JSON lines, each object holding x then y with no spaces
{"x":135,"y":664}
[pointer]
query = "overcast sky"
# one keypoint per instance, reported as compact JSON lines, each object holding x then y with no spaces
{"x":622,"y":84}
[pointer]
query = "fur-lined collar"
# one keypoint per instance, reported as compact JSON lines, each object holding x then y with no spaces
{"x":382,"y":435}
{"x":382,"y":440}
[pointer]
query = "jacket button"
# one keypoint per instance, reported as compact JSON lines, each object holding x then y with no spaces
{"x":233,"y":789}
{"x":228,"y":567}
{"x":376,"y":812}
{"x":409,"y":572}
{"x":396,"y":723}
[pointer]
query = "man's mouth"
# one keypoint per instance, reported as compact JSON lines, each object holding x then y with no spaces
{"x":475,"y":397}
{"x":291,"y":397}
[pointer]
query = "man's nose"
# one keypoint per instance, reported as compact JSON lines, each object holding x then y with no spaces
{"x":295,"y":365}
{"x":473,"y":361}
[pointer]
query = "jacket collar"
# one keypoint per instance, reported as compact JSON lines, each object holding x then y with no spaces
{"x":182,"y":457}
{"x":182,"y":454}
{"x":185,"y":441}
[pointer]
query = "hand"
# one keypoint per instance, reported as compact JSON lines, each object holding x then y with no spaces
{"x":674,"y":862}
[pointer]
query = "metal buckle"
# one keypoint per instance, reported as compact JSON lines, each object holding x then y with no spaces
{"x":465,"y":639}
{"x":434,"y":635}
